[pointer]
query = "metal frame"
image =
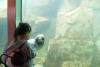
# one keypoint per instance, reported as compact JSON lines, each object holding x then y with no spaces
{"x":11,"y":19}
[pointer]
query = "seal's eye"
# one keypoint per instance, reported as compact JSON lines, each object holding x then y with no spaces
{"x":42,"y":38}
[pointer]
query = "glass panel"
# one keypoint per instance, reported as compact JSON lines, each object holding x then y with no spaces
{"x":3,"y":25}
{"x":71,"y":28}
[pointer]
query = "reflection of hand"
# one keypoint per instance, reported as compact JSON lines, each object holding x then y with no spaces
{"x":35,"y":46}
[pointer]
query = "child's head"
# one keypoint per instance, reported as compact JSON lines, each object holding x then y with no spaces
{"x":22,"y":30}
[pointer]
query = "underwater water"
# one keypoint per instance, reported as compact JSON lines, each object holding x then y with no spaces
{"x":71,"y":29}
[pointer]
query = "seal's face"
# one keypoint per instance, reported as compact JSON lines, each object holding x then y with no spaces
{"x":39,"y":43}
{"x":40,"y":40}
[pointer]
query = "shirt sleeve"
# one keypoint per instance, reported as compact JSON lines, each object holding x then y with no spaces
{"x":31,"y":45}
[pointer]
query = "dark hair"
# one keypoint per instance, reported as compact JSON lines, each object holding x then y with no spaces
{"x":22,"y":29}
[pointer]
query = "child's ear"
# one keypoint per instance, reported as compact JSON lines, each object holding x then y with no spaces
{"x":24,"y":36}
